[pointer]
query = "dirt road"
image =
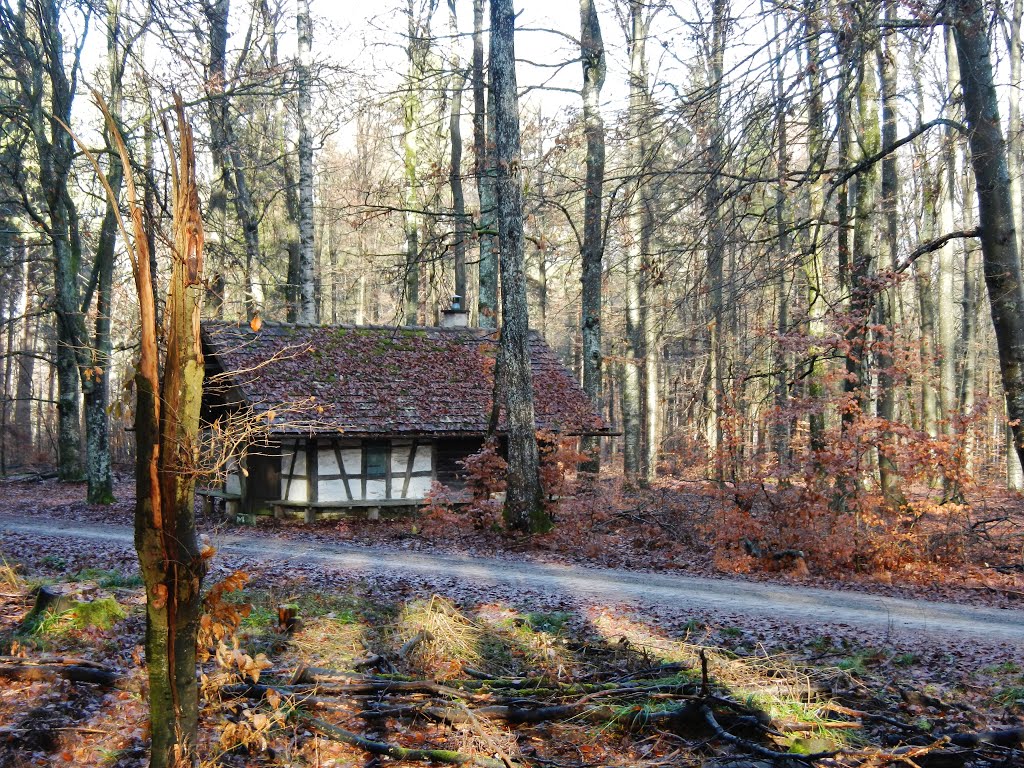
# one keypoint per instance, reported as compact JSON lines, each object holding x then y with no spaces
{"x":887,"y":617}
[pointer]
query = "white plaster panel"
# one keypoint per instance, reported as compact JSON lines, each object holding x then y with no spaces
{"x":353,"y":458}
{"x":399,"y":458}
{"x":419,"y":487}
{"x":424,"y":459}
{"x":376,"y":489}
{"x":328,"y":463}
{"x":332,"y":490}
{"x":300,"y":463}
{"x":298,"y":489}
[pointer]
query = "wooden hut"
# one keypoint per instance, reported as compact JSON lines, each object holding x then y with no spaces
{"x":364,"y":416}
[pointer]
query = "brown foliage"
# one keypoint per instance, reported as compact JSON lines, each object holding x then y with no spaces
{"x":485,"y":479}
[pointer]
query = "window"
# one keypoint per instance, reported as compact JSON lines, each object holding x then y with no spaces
{"x":376,"y":461}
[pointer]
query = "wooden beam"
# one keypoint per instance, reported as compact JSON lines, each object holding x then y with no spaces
{"x":408,"y":469}
{"x":341,"y":468}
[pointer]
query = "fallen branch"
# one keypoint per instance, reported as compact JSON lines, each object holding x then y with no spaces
{"x":757,"y":749}
{"x":377,"y":659}
{"x":1011,"y":737}
{"x":339,"y":684}
{"x":394,"y":751}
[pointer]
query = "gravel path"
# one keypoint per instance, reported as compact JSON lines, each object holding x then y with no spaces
{"x":887,"y":617}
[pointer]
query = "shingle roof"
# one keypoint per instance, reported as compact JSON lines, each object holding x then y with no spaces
{"x":378,"y":380}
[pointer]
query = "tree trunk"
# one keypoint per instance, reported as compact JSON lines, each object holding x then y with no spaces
{"x":1015,"y":162}
{"x":864,"y":246}
{"x":1000,"y":258}
{"x":458,"y":197}
{"x":458,"y":84}
{"x":781,"y":434}
{"x":26,"y":360}
{"x":216,"y":12}
{"x":309,"y":310}
{"x":416,"y":51}
{"x":632,"y":392}
{"x":946,"y":309}
{"x":592,"y":255}
{"x":888,"y":471}
{"x":524,"y":508}
{"x":46,"y":91}
{"x":224,"y":142}
{"x":483,"y":169}
{"x":923,"y":265}
{"x":813,"y":265}
{"x":1014,"y":140}
{"x":166,"y":431}
{"x":713,"y":206}
{"x":99,"y":474}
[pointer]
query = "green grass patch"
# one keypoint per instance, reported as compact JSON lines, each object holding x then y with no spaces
{"x":1010,"y":696}
{"x":109,"y":579}
{"x":259,"y":617}
{"x":103,"y":613}
{"x":552,"y":623}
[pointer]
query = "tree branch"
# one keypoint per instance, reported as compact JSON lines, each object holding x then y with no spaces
{"x":934,"y":245}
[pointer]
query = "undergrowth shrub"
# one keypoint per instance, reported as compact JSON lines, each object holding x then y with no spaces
{"x":485,"y":475}
{"x":823,"y":508}
{"x":241,"y":724}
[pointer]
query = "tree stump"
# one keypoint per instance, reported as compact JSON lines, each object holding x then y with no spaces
{"x":48,"y":600}
{"x":287,"y":618}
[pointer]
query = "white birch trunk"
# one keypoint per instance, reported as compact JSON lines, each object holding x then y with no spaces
{"x":308,"y":305}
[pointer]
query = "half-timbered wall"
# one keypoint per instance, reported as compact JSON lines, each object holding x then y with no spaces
{"x":322,"y":471}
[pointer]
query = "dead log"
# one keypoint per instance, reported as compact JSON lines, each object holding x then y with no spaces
{"x":332,"y":685}
{"x":75,"y":670}
{"x":752,"y":747}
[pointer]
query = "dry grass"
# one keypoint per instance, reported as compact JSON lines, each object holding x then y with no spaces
{"x":450,"y":641}
{"x":9,"y":580}
{"x":328,"y":642}
{"x":772,"y":683}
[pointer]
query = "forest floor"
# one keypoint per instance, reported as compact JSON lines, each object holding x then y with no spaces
{"x":605,"y":665}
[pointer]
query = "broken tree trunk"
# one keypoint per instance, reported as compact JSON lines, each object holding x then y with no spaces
{"x":166,"y":439}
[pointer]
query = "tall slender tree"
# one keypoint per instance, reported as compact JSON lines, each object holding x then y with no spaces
{"x":636,"y":244}
{"x":483,"y":170}
{"x":1000,"y":258}
{"x":888,"y":394}
{"x":309,"y":309}
{"x":592,"y":252}
{"x":715,"y":215}
{"x":524,"y":508}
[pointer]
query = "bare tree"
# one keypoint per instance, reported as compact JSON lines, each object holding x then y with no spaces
{"x":483,"y":169}
{"x":524,"y":508}
{"x":592,"y":252}
{"x":1000,"y":258}
{"x":308,"y":304}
